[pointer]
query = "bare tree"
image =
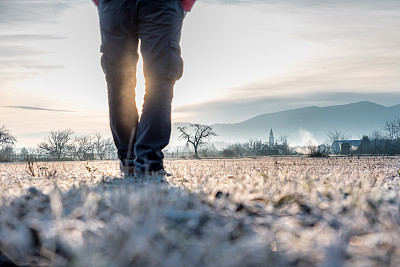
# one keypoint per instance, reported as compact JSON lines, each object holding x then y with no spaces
{"x":82,"y":145}
{"x":234,"y":150}
{"x":6,"y":138}
{"x":35,"y":152}
{"x":102,"y":146}
{"x":57,"y":143}
{"x":376,"y":142}
{"x":337,"y":135}
{"x":392,"y":128}
{"x":24,"y":153}
{"x":198,"y":136}
{"x":207,"y":150}
{"x":254,"y":146}
{"x":284,"y":145}
{"x":312,"y":148}
{"x":238,"y":149}
{"x":6,"y":153}
{"x":376,"y":135}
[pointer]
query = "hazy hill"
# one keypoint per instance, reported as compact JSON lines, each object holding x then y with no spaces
{"x":303,"y":124}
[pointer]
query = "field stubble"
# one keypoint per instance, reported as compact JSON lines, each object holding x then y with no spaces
{"x":232,"y":212}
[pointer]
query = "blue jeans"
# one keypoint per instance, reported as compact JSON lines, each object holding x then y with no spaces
{"x":157,"y":24}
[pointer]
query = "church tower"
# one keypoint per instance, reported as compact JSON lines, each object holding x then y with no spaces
{"x":271,"y":139}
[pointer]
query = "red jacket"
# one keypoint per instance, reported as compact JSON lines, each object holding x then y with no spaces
{"x":186,"y":4}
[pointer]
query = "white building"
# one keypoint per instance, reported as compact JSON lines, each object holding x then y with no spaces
{"x":336,"y":147}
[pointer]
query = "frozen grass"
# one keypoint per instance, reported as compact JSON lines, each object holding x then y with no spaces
{"x":245,"y":212}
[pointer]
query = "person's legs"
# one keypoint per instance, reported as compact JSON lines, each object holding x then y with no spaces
{"x":119,"y":59}
{"x":159,"y":24}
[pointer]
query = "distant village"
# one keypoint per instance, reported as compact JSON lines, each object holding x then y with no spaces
{"x":385,"y":141}
{"x":337,"y":143}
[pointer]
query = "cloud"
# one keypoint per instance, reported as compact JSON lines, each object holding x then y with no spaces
{"x":18,"y":68}
{"x":43,"y":67}
{"x":23,"y":61}
{"x":33,"y":11}
{"x":38,"y":108}
{"x":16,"y":51}
{"x":371,"y":75}
{"x":28,"y":37}
{"x":22,"y":52}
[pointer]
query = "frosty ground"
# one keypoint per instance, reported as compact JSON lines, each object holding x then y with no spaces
{"x":293,"y":211}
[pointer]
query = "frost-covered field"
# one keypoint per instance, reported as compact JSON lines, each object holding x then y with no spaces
{"x":245,"y":212}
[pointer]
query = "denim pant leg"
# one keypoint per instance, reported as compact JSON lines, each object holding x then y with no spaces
{"x":159,"y":24}
{"x":119,"y":60}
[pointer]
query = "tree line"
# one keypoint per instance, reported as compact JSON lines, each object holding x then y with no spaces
{"x":66,"y":145}
{"x":255,"y":147}
{"x":59,"y":145}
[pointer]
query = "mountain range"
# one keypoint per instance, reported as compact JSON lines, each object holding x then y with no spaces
{"x":304,"y":124}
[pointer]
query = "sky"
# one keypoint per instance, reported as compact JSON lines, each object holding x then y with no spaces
{"x":242,"y":58}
